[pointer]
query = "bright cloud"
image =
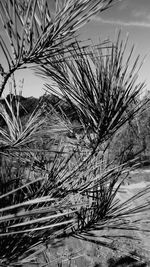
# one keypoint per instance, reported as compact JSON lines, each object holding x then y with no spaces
{"x":128,"y":13}
{"x":124,"y":23}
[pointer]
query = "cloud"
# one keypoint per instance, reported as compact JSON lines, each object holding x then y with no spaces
{"x":142,"y":15}
{"x":124,"y":23}
{"x":139,"y":13}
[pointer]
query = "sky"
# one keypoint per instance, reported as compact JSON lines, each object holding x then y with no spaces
{"x":131,"y":17}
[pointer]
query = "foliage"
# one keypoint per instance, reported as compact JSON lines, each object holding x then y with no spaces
{"x":59,"y":203}
{"x":65,"y":184}
{"x":102,"y":90}
{"x":15,"y":134}
{"x":38,"y":29}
